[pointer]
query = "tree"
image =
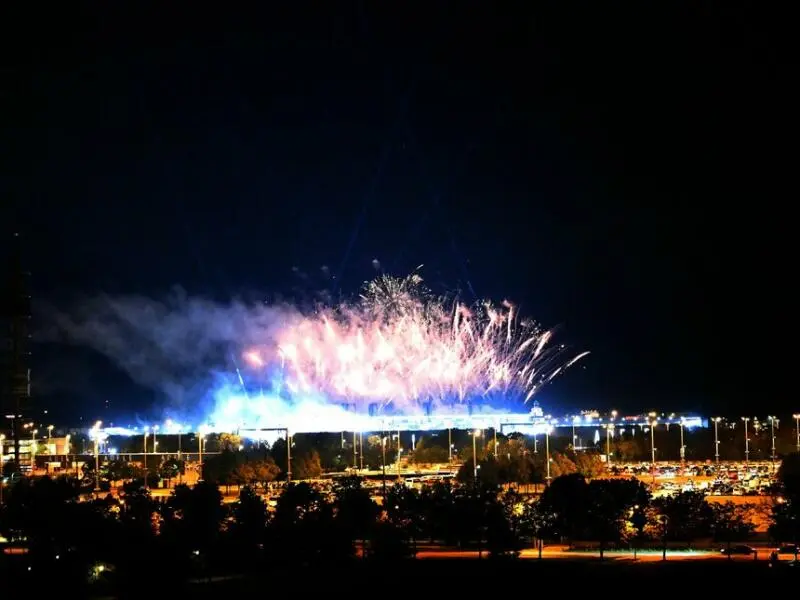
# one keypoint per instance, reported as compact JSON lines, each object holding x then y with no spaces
{"x":307,"y":466}
{"x":243,"y":474}
{"x":424,"y":453}
{"x":250,"y":523}
{"x":219,"y":469}
{"x":171,"y":468}
{"x":540,"y":521}
{"x":489,"y":472}
{"x":786,"y":509}
{"x":567,"y":499}
{"x":730,"y":523}
{"x":119,"y":470}
{"x":355,"y":511}
{"x":229,"y":442}
{"x":303,"y":529}
{"x":561,"y":465}
{"x":610,"y":502}
{"x":687,"y":516}
{"x":589,"y":464}
{"x":403,"y":507}
{"x":265,"y":471}
{"x":503,"y":525}
{"x":627,"y":448}
{"x":194,"y":516}
{"x":789,"y":476}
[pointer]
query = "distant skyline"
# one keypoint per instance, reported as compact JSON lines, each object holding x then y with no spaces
{"x":617,"y":173}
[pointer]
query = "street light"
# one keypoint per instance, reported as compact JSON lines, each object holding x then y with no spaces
{"x":716,"y":437}
{"x":773,"y":421}
{"x":547,"y":453}
{"x":97,"y":455}
{"x":609,"y":428}
{"x":200,"y":437}
{"x":66,"y":451}
{"x":746,"y":441}
{"x":683,"y":446}
{"x":450,"y":445}
{"x":361,"y":449}
{"x":575,"y":420}
{"x":796,"y":418}
{"x":652,"y":423}
{"x":475,"y":435}
{"x":288,"y":456}
{"x":383,"y":462}
{"x":144,"y":454}
{"x":2,"y":481}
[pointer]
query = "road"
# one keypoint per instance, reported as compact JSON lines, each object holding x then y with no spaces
{"x":564,"y":553}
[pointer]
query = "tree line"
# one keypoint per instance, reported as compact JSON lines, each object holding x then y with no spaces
{"x":193,"y":533}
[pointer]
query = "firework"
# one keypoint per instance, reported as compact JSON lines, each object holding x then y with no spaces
{"x":399,"y":346}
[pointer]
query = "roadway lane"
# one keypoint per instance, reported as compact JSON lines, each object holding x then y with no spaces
{"x":564,"y":553}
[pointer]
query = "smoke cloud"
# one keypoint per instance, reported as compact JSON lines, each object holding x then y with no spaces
{"x":179,"y":345}
{"x":396,"y":348}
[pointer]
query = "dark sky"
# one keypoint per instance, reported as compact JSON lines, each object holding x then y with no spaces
{"x":623,"y":172}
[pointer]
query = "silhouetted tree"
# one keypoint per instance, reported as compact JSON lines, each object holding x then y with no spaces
{"x":730,"y":523}
{"x":688,"y":516}
{"x":307,"y":466}
{"x":303,"y":529}
{"x":355,"y":511}
{"x":566,"y":498}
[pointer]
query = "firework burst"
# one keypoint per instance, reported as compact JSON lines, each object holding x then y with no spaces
{"x":402,"y":346}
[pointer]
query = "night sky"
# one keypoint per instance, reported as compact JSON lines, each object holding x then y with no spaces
{"x":623,"y":173}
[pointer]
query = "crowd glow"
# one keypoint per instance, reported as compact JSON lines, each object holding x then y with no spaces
{"x":396,"y":351}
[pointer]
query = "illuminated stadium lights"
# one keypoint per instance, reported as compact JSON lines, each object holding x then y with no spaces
{"x":532,"y":423}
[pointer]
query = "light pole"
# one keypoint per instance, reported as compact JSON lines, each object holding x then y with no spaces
{"x":383,"y":461}
{"x":746,"y":442}
{"x":773,"y":421}
{"x":66,"y":451}
{"x":399,"y":452}
{"x":200,"y":437}
{"x":652,"y":423}
{"x":797,"y":428}
{"x":49,"y":438}
{"x":2,"y":480}
{"x":574,"y":435}
{"x":475,"y":435}
{"x":495,"y":443}
{"x":144,"y":452}
{"x":609,"y":429}
{"x":547,"y":454}
{"x":361,"y":449}
{"x":155,"y":439}
{"x":288,"y":457}
{"x":716,"y":437}
{"x":355,"y":450}
{"x":449,"y":445}
{"x":33,"y":448}
{"x":683,"y":446}
{"x":97,"y":455}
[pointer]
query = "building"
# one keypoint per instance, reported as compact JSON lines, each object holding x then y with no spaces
{"x":15,"y":336}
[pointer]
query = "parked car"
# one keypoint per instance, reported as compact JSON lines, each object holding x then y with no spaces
{"x":739,"y":549}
